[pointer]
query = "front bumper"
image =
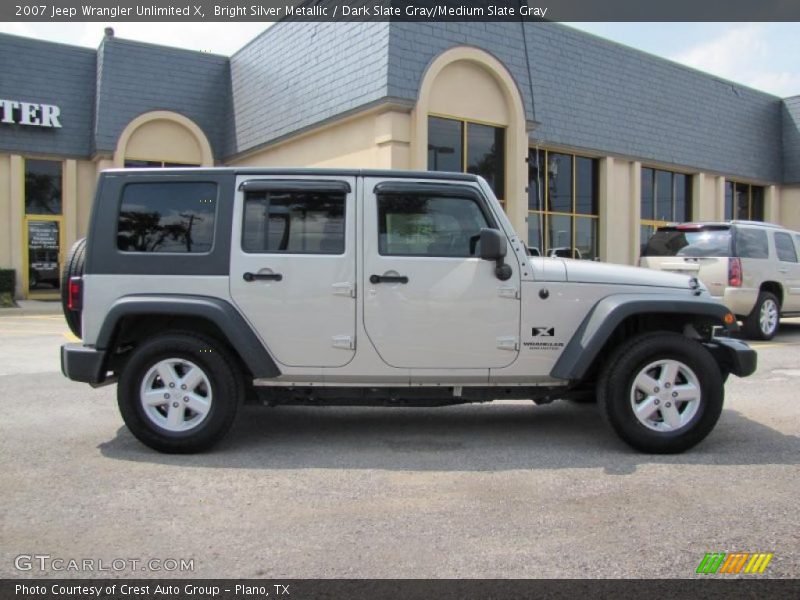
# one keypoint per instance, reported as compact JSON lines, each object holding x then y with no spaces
{"x":733,"y":356}
{"x":83,"y":363}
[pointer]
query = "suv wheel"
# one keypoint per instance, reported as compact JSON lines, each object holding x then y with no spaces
{"x":661,"y":392}
{"x":762,"y":323}
{"x":179,"y":393}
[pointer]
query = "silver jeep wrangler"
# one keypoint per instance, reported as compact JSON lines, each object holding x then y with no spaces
{"x":199,"y":289}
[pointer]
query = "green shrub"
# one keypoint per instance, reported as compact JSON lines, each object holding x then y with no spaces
{"x":7,"y":279}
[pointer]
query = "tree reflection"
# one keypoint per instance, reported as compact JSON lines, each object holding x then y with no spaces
{"x":141,"y":231}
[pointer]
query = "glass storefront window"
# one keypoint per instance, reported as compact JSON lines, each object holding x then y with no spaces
{"x":486,"y":155}
{"x":43,"y":255}
{"x":744,"y":201}
{"x":42,"y":187}
{"x":465,"y":147}
{"x":445,"y":144}
{"x":559,"y":179}
{"x":666,"y":197}
{"x":567,"y":185}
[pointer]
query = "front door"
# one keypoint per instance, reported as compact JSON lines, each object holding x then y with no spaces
{"x":293,"y":267}
{"x":429,"y":301}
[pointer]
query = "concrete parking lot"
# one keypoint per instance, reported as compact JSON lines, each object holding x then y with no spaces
{"x":501,"y":490}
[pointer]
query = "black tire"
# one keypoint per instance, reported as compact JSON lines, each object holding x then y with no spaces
{"x":217,"y":365}
{"x":752,"y":326}
{"x":616,"y":387}
{"x":73,"y":267}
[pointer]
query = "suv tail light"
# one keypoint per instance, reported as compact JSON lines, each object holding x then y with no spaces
{"x":735,"y":272}
{"x":75,"y":294}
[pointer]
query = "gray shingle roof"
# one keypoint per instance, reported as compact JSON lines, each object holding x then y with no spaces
{"x":44,"y":72}
{"x":598,"y":95}
{"x":791,"y":140}
{"x":299,"y":74}
{"x":584,"y":92}
{"x":135,"y":78}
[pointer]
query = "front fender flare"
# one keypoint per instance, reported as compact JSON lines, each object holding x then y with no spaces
{"x":592,"y":334}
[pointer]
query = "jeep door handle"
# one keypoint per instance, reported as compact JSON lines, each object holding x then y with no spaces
{"x":388,"y":279}
{"x":262,"y":276}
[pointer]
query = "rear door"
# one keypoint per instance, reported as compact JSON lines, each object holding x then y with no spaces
{"x":429,"y":301}
{"x":293,"y":266}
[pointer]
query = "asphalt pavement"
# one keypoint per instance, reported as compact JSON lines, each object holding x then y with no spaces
{"x":500,"y":490}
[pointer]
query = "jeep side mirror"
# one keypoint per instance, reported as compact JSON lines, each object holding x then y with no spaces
{"x":494,"y":247}
{"x":493,"y":244}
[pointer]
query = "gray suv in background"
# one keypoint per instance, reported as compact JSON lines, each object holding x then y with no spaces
{"x":749,"y":266}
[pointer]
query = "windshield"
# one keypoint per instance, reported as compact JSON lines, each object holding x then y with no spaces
{"x":706,"y":241}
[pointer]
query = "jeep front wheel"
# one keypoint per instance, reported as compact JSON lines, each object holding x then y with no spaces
{"x":179,"y":393}
{"x":661,"y":392}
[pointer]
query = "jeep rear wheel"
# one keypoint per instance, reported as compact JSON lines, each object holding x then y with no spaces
{"x":762,"y":323}
{"x":179,"y":393}
{"x":661,"y":392}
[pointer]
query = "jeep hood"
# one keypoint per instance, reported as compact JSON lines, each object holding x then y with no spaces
{"x":586,"y":271}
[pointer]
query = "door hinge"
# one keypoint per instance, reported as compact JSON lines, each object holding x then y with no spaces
{"x":510,"y":342}
{"x":345,"y":342}
{"x":345,"y":288}
{"x":508,"y":291}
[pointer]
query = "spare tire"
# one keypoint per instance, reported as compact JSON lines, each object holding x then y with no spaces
{"x":73,"y":267}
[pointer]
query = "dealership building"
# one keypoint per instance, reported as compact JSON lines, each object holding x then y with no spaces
{"x":588,"y":144}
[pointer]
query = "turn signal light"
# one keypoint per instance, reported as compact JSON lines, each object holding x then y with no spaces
{"x":729,"y":319}
{"x":735,"y":272}
{"x":75,"y":294}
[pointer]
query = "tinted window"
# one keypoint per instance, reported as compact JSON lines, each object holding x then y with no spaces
{"x":445,"y":145}
{"x":647,"y":206}
{"x":415,"y":225}
{"x":486,"y":155}
{"x":559,"y":180}
{"x":585,"y":185}
{"x":785,"y":247}
{"x":294,"y":223}
{"x":669,"y":241}
{"x":42,"y":187}
{"x":167,"y":217}
{"x":751,"y":243}
{"x":536,"y":170}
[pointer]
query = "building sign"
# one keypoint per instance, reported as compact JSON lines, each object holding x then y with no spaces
{"x":29,"y":113}
{"x":43,"y":235}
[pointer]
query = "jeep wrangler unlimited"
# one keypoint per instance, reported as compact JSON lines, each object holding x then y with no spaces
{"x":199,"y":289}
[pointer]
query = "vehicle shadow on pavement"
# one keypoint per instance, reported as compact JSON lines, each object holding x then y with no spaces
{"x":462,"y":438}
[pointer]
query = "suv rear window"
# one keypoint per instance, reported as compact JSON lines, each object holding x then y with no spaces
{"x":704,"y":241}
{"x":175,"y":217}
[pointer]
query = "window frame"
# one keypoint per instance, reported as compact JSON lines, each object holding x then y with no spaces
{"x":733,"y":216}
{"x":655,"y":222}
{"x":545,"y":214}
{"x":267,"y":194}
{"x":464,"y":122}
{"x":464,"y":192}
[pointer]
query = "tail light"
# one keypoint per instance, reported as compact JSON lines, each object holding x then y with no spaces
{"x":75,"y":294}
{"x":735,"y":272}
